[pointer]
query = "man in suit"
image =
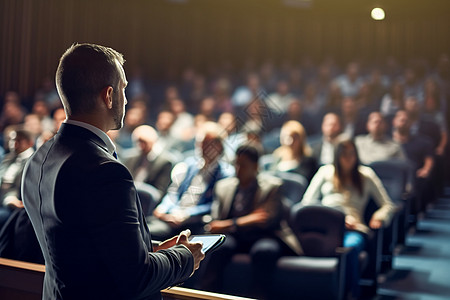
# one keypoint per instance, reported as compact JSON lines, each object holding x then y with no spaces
{"x":21,"y":144}
{"x":248,"y":208}
{"x":82,"y":201}
{"x":150,"y":164}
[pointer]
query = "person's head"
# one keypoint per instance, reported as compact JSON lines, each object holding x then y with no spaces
{"x":352,"y":71}
{"x":331,"y":126}
{"x":145,"y":137}
{"x":349,"y":108}
{"x":59,"y":115}
{"x":295,"y":110}
{"x":401,"y":122}
{"x":208,"y":106}
{"x":228,"y":121}
{"x":134,"y":117}
{"x":209,"y":139}
{"x":40,"y":108}
{"x":282,"y":87}
{"x":20,"y":140}
{"x":164,"y":121}
{"x":412,"y":106}
{"x":32,"y":123}
{"x":177,"y":106}
{"x":346,"y":163}
{"x":376,"y":125}
{"x":90,"y":79}
{"x":293,"y":136}
{"x":246,"y":163}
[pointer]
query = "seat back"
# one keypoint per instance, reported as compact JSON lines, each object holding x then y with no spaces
{"x":395,"y":175}
{"x":319,"y":229}
{"x":293,"y":187}
{"x":149,"y":196}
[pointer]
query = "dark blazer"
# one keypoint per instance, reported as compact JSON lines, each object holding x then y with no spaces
{"x":158,"y":170}
{"x":267,"y":197}
{"x":88,"y":219}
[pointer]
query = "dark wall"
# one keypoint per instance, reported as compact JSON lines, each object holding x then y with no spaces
{"x":165,"y":36}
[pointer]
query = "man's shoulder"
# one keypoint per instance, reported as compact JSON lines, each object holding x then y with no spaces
{"x":227,"y":183}
{"x":269,"y":181}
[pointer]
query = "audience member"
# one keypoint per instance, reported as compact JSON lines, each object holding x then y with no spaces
{"x":234,"y":138}
{"x":247,"y":208}
{"x":281,"y":99}
{"x":181,"y":128}
{"x":41,"y":109}
{"x":59,"y":115}
{"x":350,"y":82}
{"x":392,"y":101}
{"x":352,"y":118}
{"x":189,"y":196}
{"x":294,"y":154}
{"x":13,"y":112}
{"x":149,"y":164}
{"x":323,"y":149}
{"x":419,"y":152}
{"x":296,"y":112}
{"x":424,"y":126}
{"x":376,"y":145}
{"x":21,"y":144}
{"x":221,"y":94}
{"x":134,"y":117}
{"x":347,"y":185}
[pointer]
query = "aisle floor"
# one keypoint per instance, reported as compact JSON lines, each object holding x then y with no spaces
{"x":421,"y":271}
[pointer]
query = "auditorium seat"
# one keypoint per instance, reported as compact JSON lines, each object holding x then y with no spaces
{"x":149,"y":196}
{"x":320,"y":272}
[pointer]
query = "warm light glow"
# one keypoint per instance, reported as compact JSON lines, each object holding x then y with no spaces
{"x":377,"y":14}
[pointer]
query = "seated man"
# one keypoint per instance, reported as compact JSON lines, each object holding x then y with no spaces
{"x":376,"y":145}
{"x":21,"y":148}
{"x":419,"y":151}
{"x":323,"y":149}
{"x":150,"y":164}
{"x":248,"y":209}
{"x":189,"y":196}
{"x":17,"y":238}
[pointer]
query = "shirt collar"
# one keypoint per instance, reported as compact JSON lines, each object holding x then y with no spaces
{"x":26,"y":154}
{"x":105,"y":138}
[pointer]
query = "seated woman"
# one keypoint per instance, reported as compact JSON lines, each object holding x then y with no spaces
{"x":347,"y":185}
{"x":294,"y":153}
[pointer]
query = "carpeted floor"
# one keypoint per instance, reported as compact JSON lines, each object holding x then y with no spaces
{"x":421,"y":271}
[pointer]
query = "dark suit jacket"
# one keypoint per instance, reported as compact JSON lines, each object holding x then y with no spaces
{"x":88,"y":220}
{"x":267,"y":197}
{"x":158,"y":170}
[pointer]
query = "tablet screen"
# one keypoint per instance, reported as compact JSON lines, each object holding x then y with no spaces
{"x":208,"y":240}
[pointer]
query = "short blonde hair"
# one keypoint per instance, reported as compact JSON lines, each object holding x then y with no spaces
{"x":295,"y":127}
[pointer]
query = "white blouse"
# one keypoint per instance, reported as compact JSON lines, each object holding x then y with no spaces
{"x":350,"y":201}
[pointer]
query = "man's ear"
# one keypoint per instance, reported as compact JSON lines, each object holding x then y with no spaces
{"x":107,"y":97}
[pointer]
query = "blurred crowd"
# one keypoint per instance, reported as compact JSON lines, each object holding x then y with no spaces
{"x":176,"y":131}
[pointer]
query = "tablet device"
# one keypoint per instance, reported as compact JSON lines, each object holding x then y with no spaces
{"x":210,"y":241}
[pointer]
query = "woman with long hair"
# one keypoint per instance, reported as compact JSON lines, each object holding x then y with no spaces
{"x":294,"y":153}
{"x":347,"y":185}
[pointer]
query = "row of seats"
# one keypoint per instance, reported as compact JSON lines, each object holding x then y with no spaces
{"x":320,"y":231}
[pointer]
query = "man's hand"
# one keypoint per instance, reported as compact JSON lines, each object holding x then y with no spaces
{"x":13,"y":202}
{"x":220,"y":226}
{"x":257,"y":217}
{"x":195,"y":248}
{"x":423,"y":173}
